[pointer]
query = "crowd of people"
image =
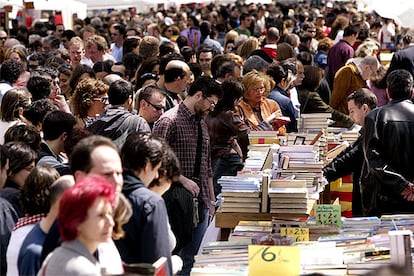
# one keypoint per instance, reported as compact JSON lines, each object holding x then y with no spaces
{"x":115,"y":131}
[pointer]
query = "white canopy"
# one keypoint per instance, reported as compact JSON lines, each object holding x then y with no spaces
{"x":400,"y":10}
{"x":67,"y":7}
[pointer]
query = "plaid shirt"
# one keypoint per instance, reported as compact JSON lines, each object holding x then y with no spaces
{"x":179,"y":127}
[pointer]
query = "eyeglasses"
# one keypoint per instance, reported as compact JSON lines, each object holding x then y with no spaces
{"x":103,"y":100}
{"x":259,"y":90}
{"x":148,"y":76}
{"x":156,"y":106}
{"x":212,"y":103}
{"x":169,"y":31}
{"x":114,"y":34}
{"x":3,"y":38}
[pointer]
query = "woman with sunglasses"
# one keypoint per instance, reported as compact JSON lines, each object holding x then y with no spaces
{"x":89,"y":100}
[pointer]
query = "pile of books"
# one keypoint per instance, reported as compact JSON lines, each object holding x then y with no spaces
{"x":263,"y":137}
{"x":293,"y":201}
{"x":250,"y":230}
{"x":240,"y":194}
{"x":313,"y":122}
{"x":301,"y":162}
{"x":222,"y":258}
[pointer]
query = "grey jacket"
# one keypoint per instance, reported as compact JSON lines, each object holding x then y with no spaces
{"x":71,"y":258}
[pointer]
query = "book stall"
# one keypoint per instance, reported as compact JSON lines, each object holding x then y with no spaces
{"x":277,"y":216}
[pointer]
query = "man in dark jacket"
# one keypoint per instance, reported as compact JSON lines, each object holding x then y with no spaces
{"x":387,"y":179}
{"x":350,"y":160}
{"x":117,"y":122}
{"x":146,"y":233}
{"x":404,"y":58}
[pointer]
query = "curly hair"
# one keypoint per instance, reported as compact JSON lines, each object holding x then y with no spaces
{"x":85,"y":91}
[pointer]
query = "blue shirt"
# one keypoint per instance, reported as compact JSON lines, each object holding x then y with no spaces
{"x":29,"y":261}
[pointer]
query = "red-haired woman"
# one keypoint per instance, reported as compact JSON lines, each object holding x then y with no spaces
{"x":85,"y":220}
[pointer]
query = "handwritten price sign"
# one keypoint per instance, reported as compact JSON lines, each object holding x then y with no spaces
{"x":298,"y":234}
{"x":266,"y":260}
{"x":328,"y":214}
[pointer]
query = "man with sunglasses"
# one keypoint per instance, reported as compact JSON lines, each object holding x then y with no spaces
{"x":117,"y":121}
{"x":151,"y":104}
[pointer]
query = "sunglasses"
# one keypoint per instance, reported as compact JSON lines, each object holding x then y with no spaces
{"x":103,"y":100}
{"x":157,"y":107}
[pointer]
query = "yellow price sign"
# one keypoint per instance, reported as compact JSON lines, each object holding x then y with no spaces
{"x":267,"y":260}
{"x":298,"y":234}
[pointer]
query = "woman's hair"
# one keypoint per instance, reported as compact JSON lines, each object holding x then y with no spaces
{"x":14,"y":101}
{"x":313,"y":77}
{"x":339,"y":24}
{"x":27,"y":134}
{"x":77,"y":72}
{"x":233,"y":91}
{"x":247,"y":47}
{"x":254,"y":77}
{"x":230,"y":36}
{"x":22,"y":54}
{"x":85,"y":91}
{"x":325,"y":44}
{"x":141,"y":148}
{"x":379,"y":80}
{"x":20,"y":156}
{"x":77,"y":200}
{"x":284,"y":51}
{"x":102,"y":66}
{"x":170,"y":167}
{"x":367,"y":48}
{"x":35,"y":194}
{"x":147,"y":66}
{"x":65,"y":69}
{"x":122,"y":214}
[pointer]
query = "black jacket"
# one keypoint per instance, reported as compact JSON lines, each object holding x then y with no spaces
{"x":388,"y":150}
{"x":348,"y":161}
{"x":146,"y":233}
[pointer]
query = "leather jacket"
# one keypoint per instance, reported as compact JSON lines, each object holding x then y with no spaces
{"x":388,"y":152}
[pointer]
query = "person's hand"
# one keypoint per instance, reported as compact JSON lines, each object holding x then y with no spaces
{"x":274,"y":116}
{"x":60,"y":101}
{"x":190,"y":185}
{"x":408,"y":192}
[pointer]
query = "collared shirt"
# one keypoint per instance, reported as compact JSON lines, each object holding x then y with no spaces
{"x":179,"y":127}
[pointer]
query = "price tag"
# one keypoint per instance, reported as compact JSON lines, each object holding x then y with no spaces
{"x":298,"y":234}
{"x":328,"y":214}
{"x":266,"y":260}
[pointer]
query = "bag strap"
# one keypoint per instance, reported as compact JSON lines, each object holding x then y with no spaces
{"x":197,"y":164}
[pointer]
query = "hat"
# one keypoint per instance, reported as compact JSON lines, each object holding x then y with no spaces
{"x":263,"y":55}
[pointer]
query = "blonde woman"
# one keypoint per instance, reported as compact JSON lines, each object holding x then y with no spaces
{"x":17,"y":54}
{"x":247,"y":47}
{"x":259,"y":112}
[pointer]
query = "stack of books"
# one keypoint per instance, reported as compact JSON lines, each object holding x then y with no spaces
{"x":240,"y":194}
{"x":350,"y":136}
{"x":290,"y":200}
{"x":313,"y":122}
{"x":301,"y":162}
{"x":263,"y":137}
{"x":222,"y":258}
{"x":250,"y":230}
